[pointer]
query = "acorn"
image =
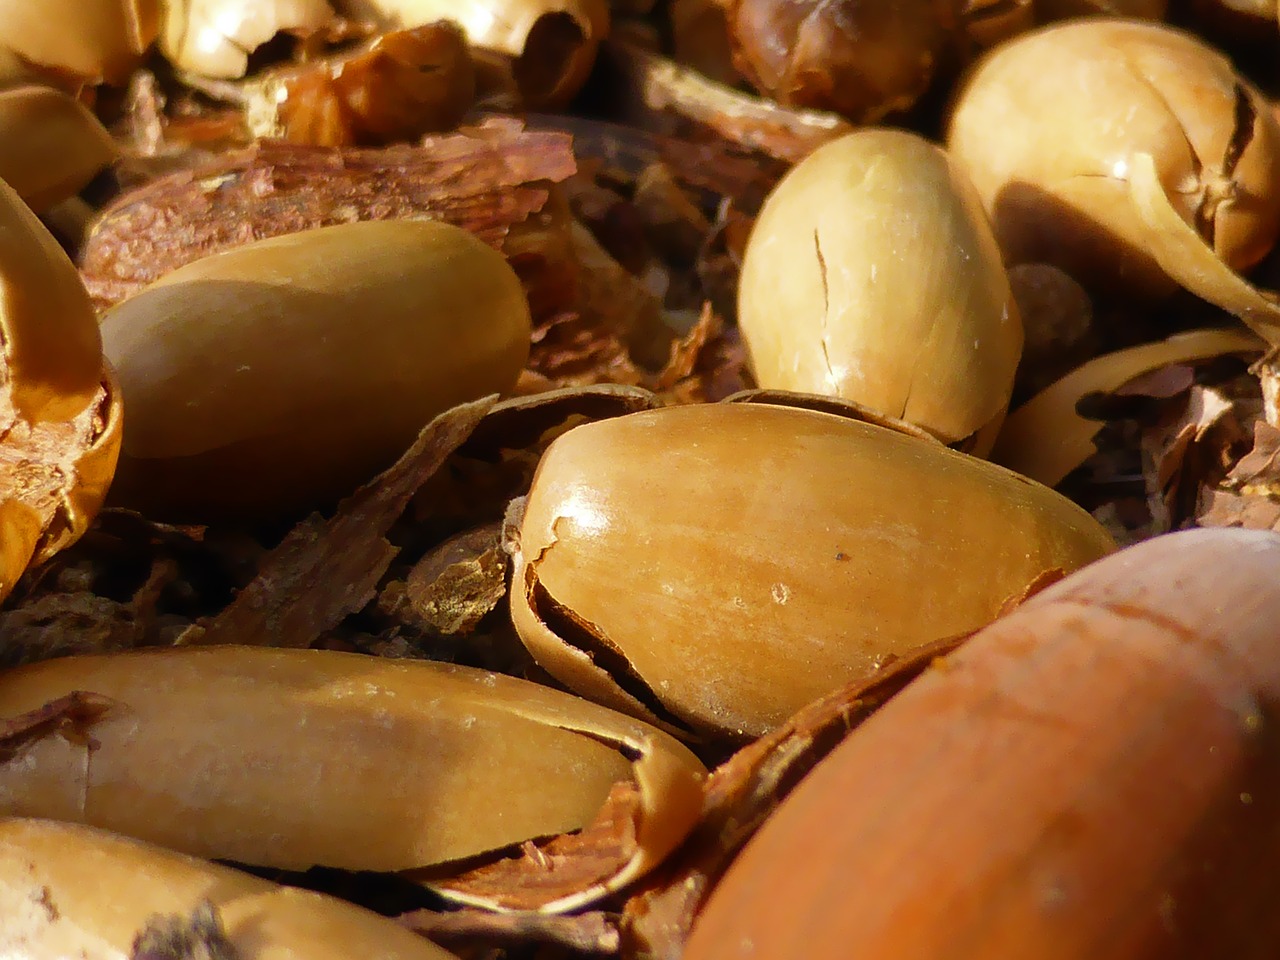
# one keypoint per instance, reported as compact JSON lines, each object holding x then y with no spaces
{"x":279,"y":375}
{"x":872,"y":274}
{"x":714,"y":568}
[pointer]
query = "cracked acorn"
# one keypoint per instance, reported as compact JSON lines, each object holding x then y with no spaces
{"x":52,"y":877}
{"x":274,"y":376}
{"x":51,"y":145}
{"x":1072,"y":132}
{"x":871,"y":274}
{"x":60,"y":407}
{"x":90,"y":40}
{"x":770,"y":554}
{"x":295,"y":758}
{"x":1093,"y":776}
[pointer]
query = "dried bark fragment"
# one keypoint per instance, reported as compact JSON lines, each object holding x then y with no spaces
{"x":327,"y":569}
{"x":543,"y":871}
{"x":458,"y":583}
{"x":198,"y":937}
{"x":661,"y":85}
{"x":494,"y":180}
{"x":68,"y":716}
{"x":594,"y":933}
{"x":497,"y":461}
{"x":743,"y":791}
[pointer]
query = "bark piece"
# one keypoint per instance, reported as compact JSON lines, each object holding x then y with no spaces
{"x":325,"y":570}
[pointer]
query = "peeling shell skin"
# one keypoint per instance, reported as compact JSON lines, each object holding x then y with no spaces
{"x":1047,"y":127}
{"x":746,"y":559}
{"x":52,"y":882}
{"x":96,"y":40}
{"x":554,"y":41}
{"x":50,"y":145}
{"x":290,"y":758}
{"x":214,"y":38}
{"x":271,"y":377}
{"x":60,"y":409}
{"x":52,"y":348}
{"x":872,"y":274}
{"x":1094,"y":777}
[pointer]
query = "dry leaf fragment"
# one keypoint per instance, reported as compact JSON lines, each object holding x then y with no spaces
{"x":494,"y":180}
{"x":742,"y":792}
{"x":1249,"y":497}
{"x":70,"y":715}
{"x":1046,"y":438}
{"x":1188,"y":451}
{"x":327,"y":569}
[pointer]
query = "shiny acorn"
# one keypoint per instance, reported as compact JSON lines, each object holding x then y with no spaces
{"x":72,"y":891}
{"x":293,"y":758}
{"x":277,"y":375}
{"x":1053,"y":126}
{"x":1094,"y":777}
{"x":714,"y":568}
{"x":872,"y":274}
{"x":213,"y":38}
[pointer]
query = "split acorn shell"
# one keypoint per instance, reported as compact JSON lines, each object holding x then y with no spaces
{"x":275,"y":376}
{"x":1049,"y":127}
{"x":872,"y":274}
{"x":714,"y":568}
{"x":295,"y":758}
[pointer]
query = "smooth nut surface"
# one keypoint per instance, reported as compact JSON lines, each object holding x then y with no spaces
{"x":1048,"y":126}
{"x":93,"y":39}
{"x":273,"y":376}
{"x":72,"y":891}
{"x":872,"y":274}
{"x":726,"y":564}
{"x":1093,"y":777}
{"x":50,"y":144}
{"x":291,"y":758}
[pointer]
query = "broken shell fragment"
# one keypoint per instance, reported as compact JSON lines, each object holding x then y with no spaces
{"x":276,"y":375}
{"x":769,"y":555}
{"x":1093,"y":777}
{"x":396,"y":87}
{"x":1050,"y":127}
{"x":872,"y":274}
{"x":52,"y":882}
{"x":293,"y":758}
{"x":214,"y":38}
{"x":59,"y":404}
{"x":547,"y":46}
{"x":95,"y":40}
{"x":51,"y":145}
